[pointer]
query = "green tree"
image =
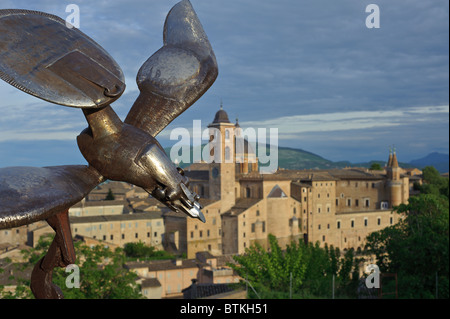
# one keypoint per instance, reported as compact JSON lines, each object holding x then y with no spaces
{"x":142,"y":251}
{"x":433,"y":182}
{"x":375,"y":167}
{"x":416,"y":248}
{"x":271,"y":270}
{"x":110,"y":195}
{"x":306,"y":270}
{"x":102,"y":275}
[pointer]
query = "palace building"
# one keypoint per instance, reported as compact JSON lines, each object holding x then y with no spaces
{"x":338,"y":207}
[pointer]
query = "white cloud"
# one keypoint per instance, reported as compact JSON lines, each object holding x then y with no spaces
{"x":288,"y":126}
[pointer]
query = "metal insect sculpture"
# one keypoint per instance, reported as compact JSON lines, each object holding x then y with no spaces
{"x":41,"y":56}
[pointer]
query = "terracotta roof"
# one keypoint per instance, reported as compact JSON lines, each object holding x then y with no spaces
{"x":157,"y":265}
{"x":242,"y":205}
{"x":150,"y":282}
{"x":121,"y":217}
{"x":95,"y":203}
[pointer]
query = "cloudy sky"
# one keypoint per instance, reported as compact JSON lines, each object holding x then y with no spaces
{"x":312,"y":69}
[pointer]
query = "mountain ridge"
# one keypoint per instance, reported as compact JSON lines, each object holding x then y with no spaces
{"x":295,"y":158}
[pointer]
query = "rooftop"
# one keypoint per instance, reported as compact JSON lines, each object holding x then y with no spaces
{"x":115,"y":218}
{"x":221,"y":116}
{"x":157,"y":265}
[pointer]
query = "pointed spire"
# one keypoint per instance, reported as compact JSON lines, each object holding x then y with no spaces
{"x":389,"y":164}
{"x":394,"y":160}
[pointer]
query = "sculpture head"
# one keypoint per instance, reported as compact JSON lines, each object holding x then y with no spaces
{"x":171,"y":186}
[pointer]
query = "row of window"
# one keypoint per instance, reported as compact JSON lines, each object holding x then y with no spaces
{"x":357,"y":184}
{"x":200,"y":233}
{"x":349,"y":202}
{"x":111,"y":237}
{"x":366,"y":222}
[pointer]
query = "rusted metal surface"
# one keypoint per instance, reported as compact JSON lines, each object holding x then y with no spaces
{"x":41,"y":56}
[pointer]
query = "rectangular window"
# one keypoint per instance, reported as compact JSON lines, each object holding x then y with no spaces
{"x":353,"y":223}
{"x":379,"y":221}
{"x":367,"y":202}
{"x":356,"y":202}
{"x":365,"y":222}
{"x":338,"y":224}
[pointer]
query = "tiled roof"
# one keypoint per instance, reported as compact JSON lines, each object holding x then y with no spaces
{"x":150,"y":282}
{"x":121,"y":217}
{"x":157,"y":265}
{"x":205,"y":290}
{"x":242,"y":205}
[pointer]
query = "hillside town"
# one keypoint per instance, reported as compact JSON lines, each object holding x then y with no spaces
{"x":335,"y":207}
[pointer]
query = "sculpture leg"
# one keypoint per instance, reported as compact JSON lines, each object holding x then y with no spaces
{"x":60,"y":254}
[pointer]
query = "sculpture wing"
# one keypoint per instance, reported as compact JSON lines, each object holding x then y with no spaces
{"x":177,"y":75}
{"x":42,"y":56}
{"x":30,"y":194}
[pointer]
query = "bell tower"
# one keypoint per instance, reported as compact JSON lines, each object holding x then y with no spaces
{"x":222,"y":169}
{"x":395,"y":184}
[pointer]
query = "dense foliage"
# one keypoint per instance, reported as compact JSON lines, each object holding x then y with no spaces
{"x":417,"y":248}
{"x":433,"y":183}
{"x":142,"y":251}
{"x":301,"y":271}
{"x":101,"y":271}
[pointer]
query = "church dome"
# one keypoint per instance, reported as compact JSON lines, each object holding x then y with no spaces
{"x":221,"y":117}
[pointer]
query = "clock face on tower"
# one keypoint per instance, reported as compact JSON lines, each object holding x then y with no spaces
{"x":215,"y":172}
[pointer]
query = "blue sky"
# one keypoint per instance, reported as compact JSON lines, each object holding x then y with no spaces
{"x":312,"y":69}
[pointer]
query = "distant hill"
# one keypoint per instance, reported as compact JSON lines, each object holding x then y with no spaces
{"x":292,"y":158}
{"x":438,"y":160}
